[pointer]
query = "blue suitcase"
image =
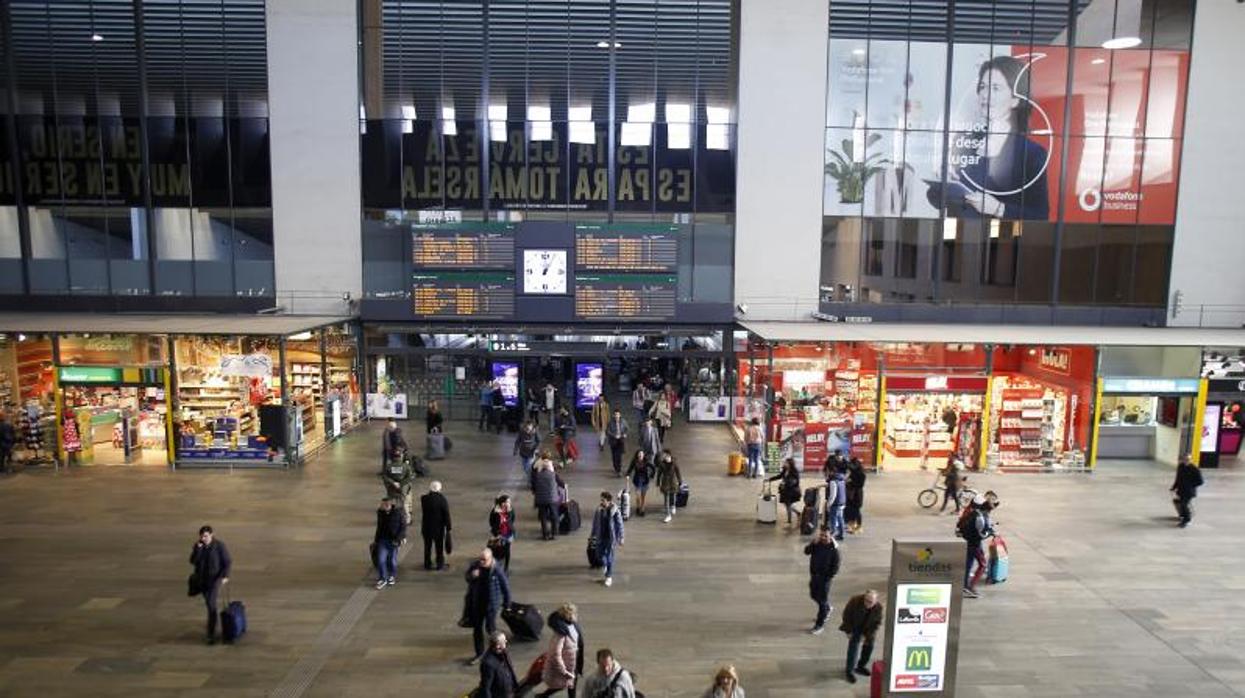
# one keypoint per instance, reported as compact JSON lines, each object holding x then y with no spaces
{"x":233,"y":621}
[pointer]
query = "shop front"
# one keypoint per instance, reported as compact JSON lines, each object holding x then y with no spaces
{"x":114,"y":415}
{"x":1224,"y":423}
{"x":28,"y":395}
{"x":931,"y":419}
{"x":1041,"y":401}
{"x":1150,"y":418}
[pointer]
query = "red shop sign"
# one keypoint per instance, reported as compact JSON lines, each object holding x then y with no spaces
{"x":938,"y":384}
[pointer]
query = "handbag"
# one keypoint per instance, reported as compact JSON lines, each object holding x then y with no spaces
{"x":194,"y":586}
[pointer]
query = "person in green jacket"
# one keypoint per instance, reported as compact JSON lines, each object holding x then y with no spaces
{"x":669,"y":479}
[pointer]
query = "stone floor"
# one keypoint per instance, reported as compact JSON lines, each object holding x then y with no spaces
{"x":1107,"y":597}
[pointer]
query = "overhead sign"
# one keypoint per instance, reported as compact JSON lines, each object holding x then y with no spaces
{"x":1226,"y":385}
{"x":939,"y":383}
{"x":922,"y":639}
{"x":89,"y":374}
{"x":1150,"y":386}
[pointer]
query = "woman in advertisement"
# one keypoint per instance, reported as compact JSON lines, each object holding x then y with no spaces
{"x":995,"y":169}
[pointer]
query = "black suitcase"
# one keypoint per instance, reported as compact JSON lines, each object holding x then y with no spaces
{"x":808,"y":520}
{"x":568,"y":517}
{"x":680,"y":497}
{"x":594,"y":557}
{"x":233,"y":621}
{"x":810,"y":497}
{"x":524,"y":621}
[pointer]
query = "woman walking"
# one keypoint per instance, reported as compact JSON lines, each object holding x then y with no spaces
{"x":789,"y":488}
{"x":564,"y":661}
{"x":433,"y":419}
{"x":669,"y":480}
{"x":501,"y":529}
{"x":601,"y":419}
{"x":725,"y":684}
{"x":641,"y":473}
{"x":852,"y":515}
{"x":662,"y":416}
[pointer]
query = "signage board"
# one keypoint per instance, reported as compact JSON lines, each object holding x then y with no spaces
{"x":382,"y":406}
{"x":89,"y":374}
{"x":923,"y":616}
{"x":938,"y":383}
{"x":589,"y":382}
{"x":506,"y":375}
{"x":1143,"y":385}
{"x":1210,"y":428}
{"x":1226,"y":385}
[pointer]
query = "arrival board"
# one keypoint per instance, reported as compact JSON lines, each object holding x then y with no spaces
{"x":625,"y":296}
{"x":627,"y":248}
{"x":463,"y":294}
{"x":481,"y":246}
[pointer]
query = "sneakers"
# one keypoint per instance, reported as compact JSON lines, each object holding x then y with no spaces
{"x":863,"y":671}
{"x":392,"y":580}
{"x":381,"y":583}
{"x":817,"y":630}
{"x":609,"y":581}
{"x":969,"y":593}
{"x":667,"y":519}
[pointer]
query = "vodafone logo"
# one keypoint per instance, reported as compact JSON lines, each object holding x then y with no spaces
{"x":1090,"y":199}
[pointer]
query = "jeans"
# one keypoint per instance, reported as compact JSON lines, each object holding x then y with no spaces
{"x":978,"y":555}
{"x":834,"y":519}
{"x":527,"y":462}
{"x":439,"y":542}
{"x":670,"y":506}
{"x":386,"y":560}
{"x":607,"y":560}
{"x":486,"y":412}
{"x":857,"y":656}
{"x":485,"y":623}
{"x":548,"y":520}
{"x":616,"y":454}
{"x":755,"y":466}
{"x":819,"y":591}
{"x":209,"y":600}
{"x":1184,"y":508}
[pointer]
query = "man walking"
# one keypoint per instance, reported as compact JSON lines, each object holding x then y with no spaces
{"x":823,"y":564}
{"x":975,"y":527}
{"x":616,"y":432}
{"x":398,"y":477}
{"x":390,"y":534}
{"x":1188,"y":479}
{"x":526,"y":443}
{"x":862,"y":616}
{"x":611,"y":679}
{"x":497,"y":677}
{"x":488,"y":591}
{"x":836,"y":501}
{"x":392,"y":444}
{"x":486,"y":404}
{"x":607,"y":534}
{"x":545,"y":492}
{"x":212,"y":563}
{"x":650,"y":438}
{"x":435,"y":525}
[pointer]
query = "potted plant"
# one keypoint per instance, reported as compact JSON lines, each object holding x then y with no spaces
{"x":851,"y":172}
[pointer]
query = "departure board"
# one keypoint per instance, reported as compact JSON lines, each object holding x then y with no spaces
{"x":480,"y":246}
{"x":641,"y":248}
{"x":625,"y":296}
{"x":463,"y":294}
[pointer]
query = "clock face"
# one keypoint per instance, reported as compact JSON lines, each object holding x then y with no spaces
{"x":544,"y":271}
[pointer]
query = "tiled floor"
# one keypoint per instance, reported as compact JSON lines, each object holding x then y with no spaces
{"x":1107,"y":597}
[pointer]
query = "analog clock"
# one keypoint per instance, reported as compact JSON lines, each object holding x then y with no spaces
{"x":544,"y":271}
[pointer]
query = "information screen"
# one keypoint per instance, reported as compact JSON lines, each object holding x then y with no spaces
{"x":480,"y":246}
{"x":588,"y":384}
{"x":463,"y":294}
{"x":627,"y":248}
{"x":625,"y":296}
{"x":506,"y":375}
{"x":919,"y":628}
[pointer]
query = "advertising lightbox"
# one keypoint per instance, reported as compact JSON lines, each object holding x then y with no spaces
{"x":506,"y":375}
{"x":589,"y":382}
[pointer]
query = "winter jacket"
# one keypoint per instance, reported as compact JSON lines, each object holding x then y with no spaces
{"x":398,"y":476}
{"x":211,"y":562}
{"x":617,"y":429}
{"x":640,"y":471}
{"x":650,"y":439}
{"x":433,"y":420}
{"x":391,"y":441}
{"x":599,"y":685}
{"x":497,"y":677}
{"x":1188,"y":479}
{"x":390,"y":526}
{"x":607,"y":527}
{"x":526,"y":443}
{"x":601,"y":414}
{"x":823,"y":559}
{"x":836,"y":490}
{"x":488,"y":593}
{"x":435,"y":510}
{"x":858,"y":619}
{"x":494,"y":523}
{"x":564,"y":424}
{"x":668,"y":476}
{"x":545,"y":487}
{"x":856,"y":486}
{"x":789,"y":489}
{"x":565,"y":657}
{"x":715,"y":692}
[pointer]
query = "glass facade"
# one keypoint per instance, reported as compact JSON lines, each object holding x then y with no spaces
{"x":544,"y":110}
{"x":1003,"y":153}
{"x":135,"y":148}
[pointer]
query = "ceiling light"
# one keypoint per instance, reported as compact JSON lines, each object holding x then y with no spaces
{"x":408,"y":126}
{"x":408,"y":112}
{"x":97,"y":37}
{"x":603,"y":44}
{"x":542,"y":131}
{"x":638,"y":134}
{"x":447,"y":113}
{"x":645,"y":112}
{"x":1122,"y":42}
{"x":449,"y":128}
{"x":680,"y":113}
{"x":717,"y":137}
{"x":678,"y":136}
{"x":299,"y":336}
{"x":994,"y":229}
{"x":718,"y":115}
{"x":21,"y":337}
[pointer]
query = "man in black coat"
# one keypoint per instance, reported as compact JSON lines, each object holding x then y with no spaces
{"x":212,"y":563}
{"x":497,"y":677}
{"x":823,"y":564}
{"x":392,"y":443}
{"x":1188,"y":479}
{"x":435,"y":525}
{"x":390,"y":535}
{"x":488,"y":592}
{"x":8,"y":439}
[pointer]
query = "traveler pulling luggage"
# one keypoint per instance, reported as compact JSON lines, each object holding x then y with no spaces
{"x":999,"y":561}
{"x":767,"y":507}
{"x":524,"y":621}
{"x":680,"y":498}
{"x":232,"y":619}
{"x":808,"y":515}
{"x":436,"y":446}
{"x":624,"y":504}
{"x":594,"y":555}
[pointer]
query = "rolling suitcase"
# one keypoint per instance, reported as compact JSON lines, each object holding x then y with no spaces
{"x":568,"y":517}
{"x":594,"y":557}
{"x":524,"y":621}
{"x":436,"y":446}
{"x":1000,"y":565}
{"x":767,"y":507}
{"x":681,"y":497}
{"x":233,"y":621}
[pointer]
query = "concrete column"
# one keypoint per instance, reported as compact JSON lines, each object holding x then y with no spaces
{"x":782,"y":107}
{"x":313,"y":92}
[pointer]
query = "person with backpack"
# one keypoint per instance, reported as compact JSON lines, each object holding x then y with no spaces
{"x":1188,"y":479}
{"x":611,"y":679}
{"x":836,"y":501}
{"x":564,"y":425}
{"x":501,"y":529}
{"x":392,"y":444}
{"x":669,"y":480}
{"x":974,"y":527}
{"x":497,"y":677}
{"x":641,"y":474}
{"x":789,"y":488}
{"x":390,"y":535}
{"x":862,"y":616}
{"x":435,"y":525}
{"x":852,"y":514}
{"x":607,"y":534}
{"x":526,"y":444}
{"x":212,"y":563}
{"x":488,"y":592}
{"x":564,"y":660}
{"x":616,"y":432}
{"x":754,"y":441}
{"x":545,"y":492}
{"x":823,"y":565}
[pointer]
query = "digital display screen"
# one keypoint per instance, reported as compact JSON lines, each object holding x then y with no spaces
{"x":506,"y":375}
{"x":627,"y":248}
{"x":482,"y":246}
{"x":589,"y":380}
{"x":625,"y":296}
{"x":1210,"y":428}
{"x":463,"y":294}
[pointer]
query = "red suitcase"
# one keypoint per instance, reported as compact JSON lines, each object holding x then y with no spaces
{"x":877,"y":679}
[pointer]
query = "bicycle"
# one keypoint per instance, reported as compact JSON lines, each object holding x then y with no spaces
{"x":929,"y":497}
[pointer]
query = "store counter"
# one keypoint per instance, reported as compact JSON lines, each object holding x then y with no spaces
{"x":1126,"y":441}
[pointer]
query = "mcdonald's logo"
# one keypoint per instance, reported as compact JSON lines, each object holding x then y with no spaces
{"x":919,"y":658}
